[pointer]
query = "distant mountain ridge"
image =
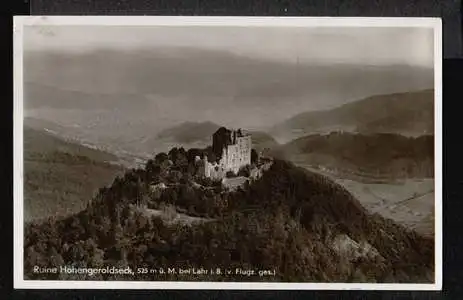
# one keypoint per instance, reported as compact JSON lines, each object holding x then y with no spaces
{"x":123,"y":99}
{"x":409,"y":113}
{"x":189,"y":132}
{"x":200,"y":134}
{"x":147,"y":85}
{"x":171,"y":70}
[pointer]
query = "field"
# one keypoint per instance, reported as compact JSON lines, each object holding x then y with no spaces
{"x":409,"y":202}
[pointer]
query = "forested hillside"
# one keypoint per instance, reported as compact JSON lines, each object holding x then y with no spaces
{"x":410,"y":114}
{"x":61,"y":177}
{"x":301,"y":225}
{"x":387,"y":155}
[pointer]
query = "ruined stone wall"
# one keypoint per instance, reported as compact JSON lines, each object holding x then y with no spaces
{"x":234,"y":150}
{"x":211,"y":170}
{"x":238,"y":155}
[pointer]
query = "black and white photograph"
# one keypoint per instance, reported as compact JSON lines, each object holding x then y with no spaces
{"x":228,"y":152}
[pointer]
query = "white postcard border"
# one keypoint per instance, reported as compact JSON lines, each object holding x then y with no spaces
{"x":21,"y":21}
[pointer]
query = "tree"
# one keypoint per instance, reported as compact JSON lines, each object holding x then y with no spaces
{"x":191,"y":169}
{"x":182,"y":161}
{"x":160,"y":158}
{"x":230,"y":174}
{"x":245,"y":171}
{"x":175,"y":176}
{"x":192,"y":153}
{"x":173,"y":153}
{"x":152,"y":169}
{"x":254,"y":156}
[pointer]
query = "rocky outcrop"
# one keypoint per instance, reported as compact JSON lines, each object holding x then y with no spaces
{"x":352,"y":250}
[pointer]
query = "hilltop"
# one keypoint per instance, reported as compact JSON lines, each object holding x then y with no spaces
{"x":410,"y":113}
{"x":60,"y":177}
{"x":373,"y":155}
{"x":300,"y":224}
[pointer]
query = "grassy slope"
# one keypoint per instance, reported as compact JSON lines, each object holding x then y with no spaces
{"x":61,"y":177}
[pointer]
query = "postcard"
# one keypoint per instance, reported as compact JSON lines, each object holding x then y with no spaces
{"x":227,"y":153}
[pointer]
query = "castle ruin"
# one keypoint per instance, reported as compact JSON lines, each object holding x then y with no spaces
{"x":231,"y":150}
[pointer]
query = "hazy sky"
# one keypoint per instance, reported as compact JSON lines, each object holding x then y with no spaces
{"x":373,"y":46}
